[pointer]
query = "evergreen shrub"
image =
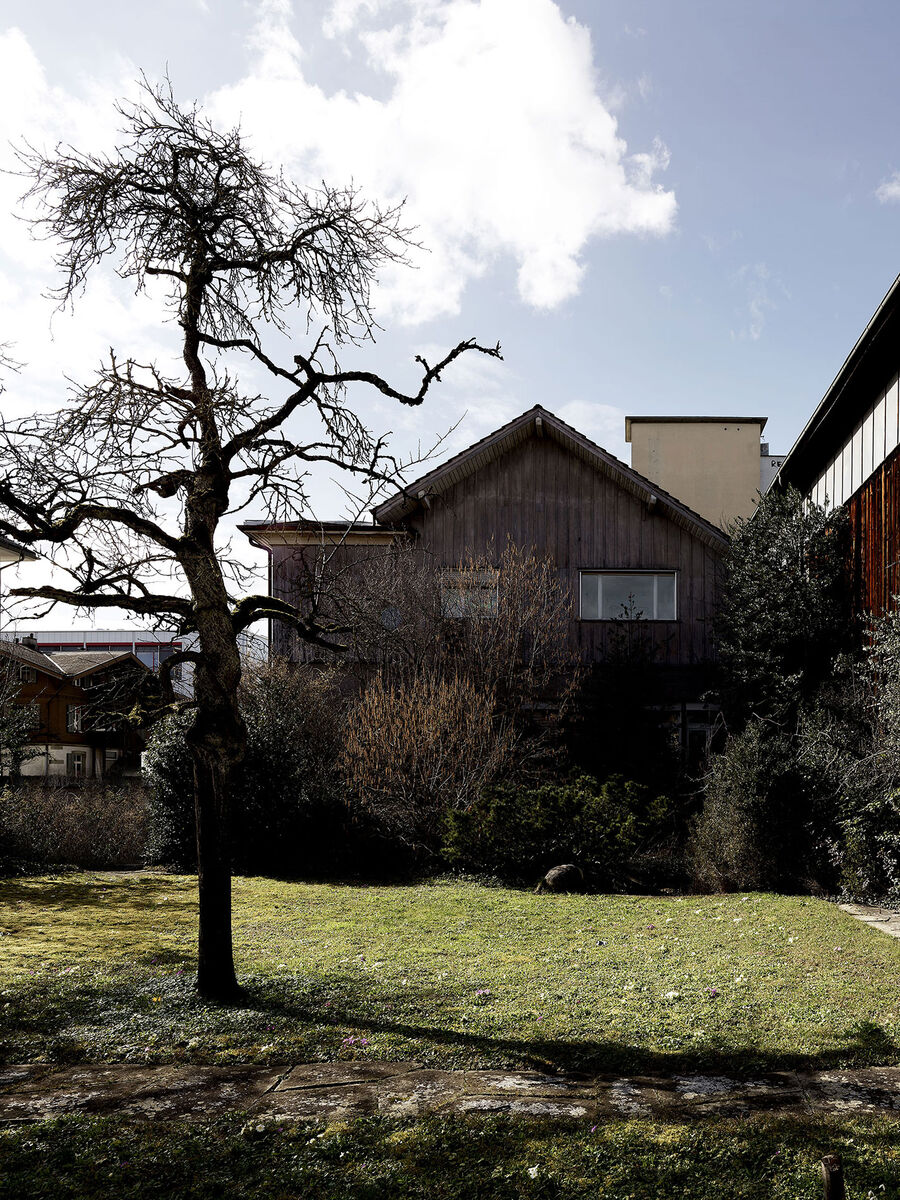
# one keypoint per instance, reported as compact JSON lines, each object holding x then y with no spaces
{"x":518,"y":833}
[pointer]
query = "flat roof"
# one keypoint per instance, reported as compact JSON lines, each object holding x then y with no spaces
{"x":663,"y":420}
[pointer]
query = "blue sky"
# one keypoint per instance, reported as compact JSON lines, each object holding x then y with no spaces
{"x":656,"y":207}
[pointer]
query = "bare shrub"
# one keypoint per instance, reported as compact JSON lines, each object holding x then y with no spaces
{"x":95,"y":825}
{"x":418,"y":748}
{"x":473,"y":670}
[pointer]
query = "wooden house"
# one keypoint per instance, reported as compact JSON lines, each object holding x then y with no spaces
{"x":623,"y":547}
{"x":849,"y":453}
{"x":75,"y":702}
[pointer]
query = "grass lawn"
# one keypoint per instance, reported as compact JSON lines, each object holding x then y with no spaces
{"x":490,"y":1159}
{"x":99,"y":969}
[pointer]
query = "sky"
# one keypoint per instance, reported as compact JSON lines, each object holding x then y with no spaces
{"x":655,"y":207}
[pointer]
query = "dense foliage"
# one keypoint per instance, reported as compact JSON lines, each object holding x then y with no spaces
{"x":287,"y":813}
{"x":804,"y":791}
{"x":518,"y":833}
{"x":784,"y":612}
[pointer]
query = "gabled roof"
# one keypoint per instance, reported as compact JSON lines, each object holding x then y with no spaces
{"x":540,"y":422}
{"x":76,"y":663}
{"x":30,"y":658}
{"x":869,"y":366}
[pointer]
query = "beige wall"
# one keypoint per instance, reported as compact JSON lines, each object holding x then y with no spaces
{"x":712,"y":465}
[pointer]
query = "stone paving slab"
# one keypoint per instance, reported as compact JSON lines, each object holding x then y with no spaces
{"x":887,"y":919}
{"x":131,"y":1089}
{"x":337,"y":1092}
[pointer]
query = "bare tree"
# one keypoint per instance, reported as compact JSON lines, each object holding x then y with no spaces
{"x":127,"y":487}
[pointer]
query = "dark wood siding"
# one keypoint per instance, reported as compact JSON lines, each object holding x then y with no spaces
{"x":875,"y":538}
{"x":542,"y":496}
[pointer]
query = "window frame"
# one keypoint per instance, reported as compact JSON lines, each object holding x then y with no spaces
{"x":464,"y":582}
{"x":80,"y":757}
{"x":654,"y":571}
{"x":74,"y":718}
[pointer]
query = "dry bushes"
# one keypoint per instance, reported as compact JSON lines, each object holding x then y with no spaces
{"x":419,"y":748}
{"x":93,"y":825}
{"x":472,"y":672}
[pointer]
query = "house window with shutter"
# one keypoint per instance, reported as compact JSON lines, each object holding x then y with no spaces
{"x":469,"y":594}
{"x":74,"y":718}
{"x":628,"y":596}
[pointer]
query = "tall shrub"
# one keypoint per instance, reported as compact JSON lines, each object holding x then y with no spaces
{"x":287,"y":812}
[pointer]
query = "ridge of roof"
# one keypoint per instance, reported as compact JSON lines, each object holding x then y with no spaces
{"x":82,"y":662}
{"x":403,"y":501}
{"x":33,"y":658}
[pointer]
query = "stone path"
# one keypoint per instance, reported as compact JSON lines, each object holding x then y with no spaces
{"x":336,"y":1092}
{"x":887,"y":919}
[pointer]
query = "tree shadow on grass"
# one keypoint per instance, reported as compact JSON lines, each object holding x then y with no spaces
{"x":141,"y":893}
{"x":70,"y":1019}
{"x":492,"y":1158}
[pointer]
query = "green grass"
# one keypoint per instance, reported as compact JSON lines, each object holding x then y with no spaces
{"x":93,"y":969}
{"x":441,"y":1159}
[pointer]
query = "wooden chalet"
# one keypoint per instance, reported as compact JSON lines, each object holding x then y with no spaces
{"x":75,"y":702}
{"x":849,"y":453}
{"x":623,"y":545}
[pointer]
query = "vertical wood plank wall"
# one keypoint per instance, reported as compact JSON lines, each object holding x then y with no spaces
{"x":875,"y":538}
{"x":543,"y":496}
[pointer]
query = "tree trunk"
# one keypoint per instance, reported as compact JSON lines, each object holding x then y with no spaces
{"x":216,"y":978}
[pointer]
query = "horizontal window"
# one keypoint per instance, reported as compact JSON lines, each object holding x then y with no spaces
{"x":468,"y":594}
{"x":628,"y":595}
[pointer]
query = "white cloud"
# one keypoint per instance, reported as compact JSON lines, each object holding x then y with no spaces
{"x":492,"y":127}
{"x":53,"y":345}
{"x":888,"y":192}
{"x":761,"y":289}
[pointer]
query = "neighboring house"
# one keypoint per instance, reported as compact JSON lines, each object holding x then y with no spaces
{"x":621,"y":544}
{"x":76,"y":701}
{"x":849,"y":453}
{"x":717,"y":465}
{"x":151,"y":646}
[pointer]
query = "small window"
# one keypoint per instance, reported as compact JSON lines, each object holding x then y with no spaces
{"x":27,"y":675}
{"x":628,"y":595}
{"x":468,"y":594}
{"x":73,"y":718}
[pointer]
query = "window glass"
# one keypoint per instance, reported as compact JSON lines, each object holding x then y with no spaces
{"x":891,"y":433}
{"x":627,"y":595}
{"x":468,"y":594}
{"x":868,"y":438}
{"x":846,"y":472}
{"x":665,"y":597}
{"x":878,"y":434}
{"x":856,"y":448}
